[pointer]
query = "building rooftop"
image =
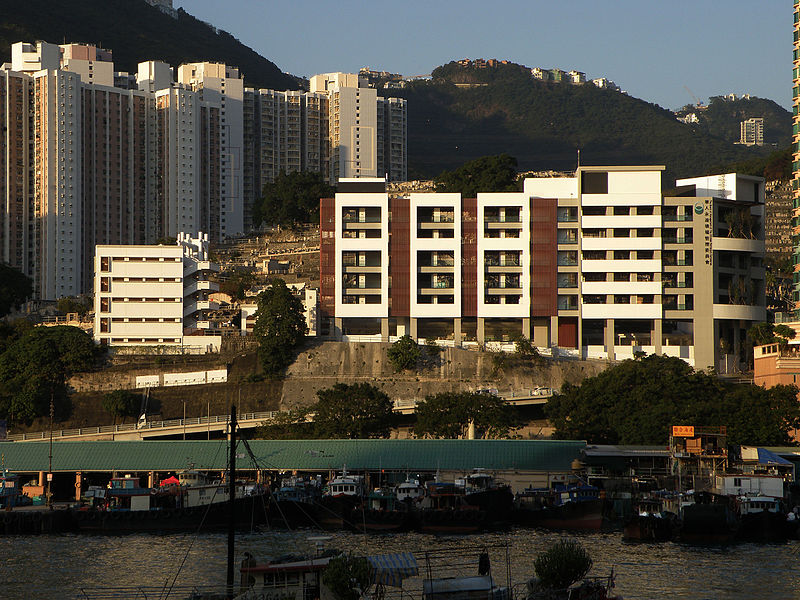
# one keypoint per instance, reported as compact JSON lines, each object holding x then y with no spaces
{"x":316,"y":455}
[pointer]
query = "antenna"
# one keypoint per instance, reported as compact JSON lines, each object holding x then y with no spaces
{"x":579,"y":158}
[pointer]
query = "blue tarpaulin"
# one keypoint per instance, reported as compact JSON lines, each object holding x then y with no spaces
{"x":765,"y":457}
{"x":391,"y":569}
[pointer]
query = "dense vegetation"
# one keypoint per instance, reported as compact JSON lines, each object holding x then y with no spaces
{"x":15,"y":288}
{"x":722,"y":119}
{"x":485,"y":174}
{"x":34,"y":367}
{"x":544,"y":124}
{"x":135,"y":32}
{"x":449,"y":415}
{"x":292,"y":199}
{"x":637,"y":401}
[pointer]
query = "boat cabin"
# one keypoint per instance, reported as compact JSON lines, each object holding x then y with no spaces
{"x":464,"y":588}
{"x":409,"y":491}
{"x":346,"y":485}
{"x":126,"y":493}
{"x":10,"y":490}
{"x":286,"y":578}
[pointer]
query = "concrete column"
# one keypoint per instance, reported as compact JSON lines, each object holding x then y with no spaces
{"x":412,"y":328}
{"x":656,"y":334}
{"x":384,"y":329}
{"x":41,"y":478}
{"x":526,"y":327}
{"x":610,"y":338}
{"x":480,"y":333}
{"x":336,"y":334}
{"x":457,"y":331}
{"x":553,"y":332}
{"x":78,"y":486}
{"x":151,"y":479}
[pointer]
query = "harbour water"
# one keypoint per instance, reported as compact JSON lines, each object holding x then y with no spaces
{"x":60,"y":566}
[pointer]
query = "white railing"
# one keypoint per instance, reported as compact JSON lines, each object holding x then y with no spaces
{"x":243,"y":419}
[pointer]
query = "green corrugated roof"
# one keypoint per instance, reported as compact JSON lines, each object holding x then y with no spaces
{"x":423,"y":455}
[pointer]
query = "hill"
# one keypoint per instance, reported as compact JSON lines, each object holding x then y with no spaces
{"x":722,"y":118}
{"x":134,"y":31}
{"x":465,"y":112}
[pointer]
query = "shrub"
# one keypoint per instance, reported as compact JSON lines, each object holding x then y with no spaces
{"x":562,"y":564}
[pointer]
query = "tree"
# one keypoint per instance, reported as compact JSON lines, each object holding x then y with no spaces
{"x":292,"y":199}
{"x":121,"y":403}
{"x":15,"y":288}
{"x":289,"y":425}
{"x":69,"y":304}
{"x":236,"y":283}
{"x":358,"y":411}
{"x":767,"y":333}
{"x":404,"y":354}
{"x":637,"y":401}
{"x":485,"y":174}
{"x":562,"y":564}
{"x":36,"y":366}
{"x":449,"y":414}
{"x":347,"y":577}
{"x":280,"y":327}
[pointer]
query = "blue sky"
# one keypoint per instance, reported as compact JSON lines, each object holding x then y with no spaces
{"x":650,"y":48}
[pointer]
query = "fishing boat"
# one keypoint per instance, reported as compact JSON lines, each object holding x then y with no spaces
{"x":383,"y":513}
{"x":445,"y":510}
{"x":344,"y":493}
{"x":296,"y":502}
{"x":10,"y":490}
{"x":410,"y":491}
{"x":482,"y":490}
{"x":576,"y":506}
{"x":650,"y":523}
{"x":709,"y":519}
{"x":762,"y":519}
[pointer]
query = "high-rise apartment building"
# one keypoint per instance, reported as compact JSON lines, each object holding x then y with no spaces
{"x":796,"y":157}
{"x":219,"y":84}
{"x":341,"y":129}
{"x":87,"y":162}
{"x":598,"y":265}
{"x":283,"y":132}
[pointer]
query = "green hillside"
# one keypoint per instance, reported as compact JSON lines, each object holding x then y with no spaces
{"x":134,"y":31}
{"x":722,"y":118}
{"x":464,"y":113}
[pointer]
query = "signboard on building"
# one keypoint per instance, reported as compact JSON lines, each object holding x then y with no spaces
{"x":708,"y":229}
{"x":683,"y":431}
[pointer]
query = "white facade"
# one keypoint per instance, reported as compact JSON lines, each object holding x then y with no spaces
{"x":435,"y":273}
{"x":58,"y":183}
{"x":504,"y":238}
{"x":153,"y":295}
{"x":362,"y":253}
{"x":220,"y":84}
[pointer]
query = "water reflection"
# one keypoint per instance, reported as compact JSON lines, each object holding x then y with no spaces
{"x":59,"y":566}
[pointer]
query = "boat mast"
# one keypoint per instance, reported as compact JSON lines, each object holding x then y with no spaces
{"x":231,"y":500}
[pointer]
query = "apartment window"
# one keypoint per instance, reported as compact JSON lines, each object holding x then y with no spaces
{"x":622,"y":211}
{"x":594,"y":183}
{"x":622,"y":299}
{"x":105,"y":325}
{"x":622,"y":254}
{"x":644,"y":233}
{"x":594,"y":255}
{"x":105,"y":304}
{"x":622,"y":276}
{"x":105,"y":284}
{"x":622,"y":233}
{"x":645,"y":254}
{"x":594,"y":211}
{"x":590,"y":276}
{"x":644,"y":210}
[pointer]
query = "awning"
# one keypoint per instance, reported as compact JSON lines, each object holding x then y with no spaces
{"x":763,"y":456}
{"x":170,"y":481}
{"x":391,"y":569}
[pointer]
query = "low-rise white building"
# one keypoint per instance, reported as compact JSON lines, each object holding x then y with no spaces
{"x":155,"y":295}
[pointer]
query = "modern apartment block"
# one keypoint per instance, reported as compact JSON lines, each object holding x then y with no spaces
{"x":154,"y":295}
{"x":597,"y":265}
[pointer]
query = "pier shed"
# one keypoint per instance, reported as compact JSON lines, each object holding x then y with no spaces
{"x":520,"y":462}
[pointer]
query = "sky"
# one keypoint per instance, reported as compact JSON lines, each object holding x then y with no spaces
{"x":653,"y":49}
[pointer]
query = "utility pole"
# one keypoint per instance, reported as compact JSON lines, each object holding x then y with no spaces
{"x":231,"y":501}
{"x":50,"y":457}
